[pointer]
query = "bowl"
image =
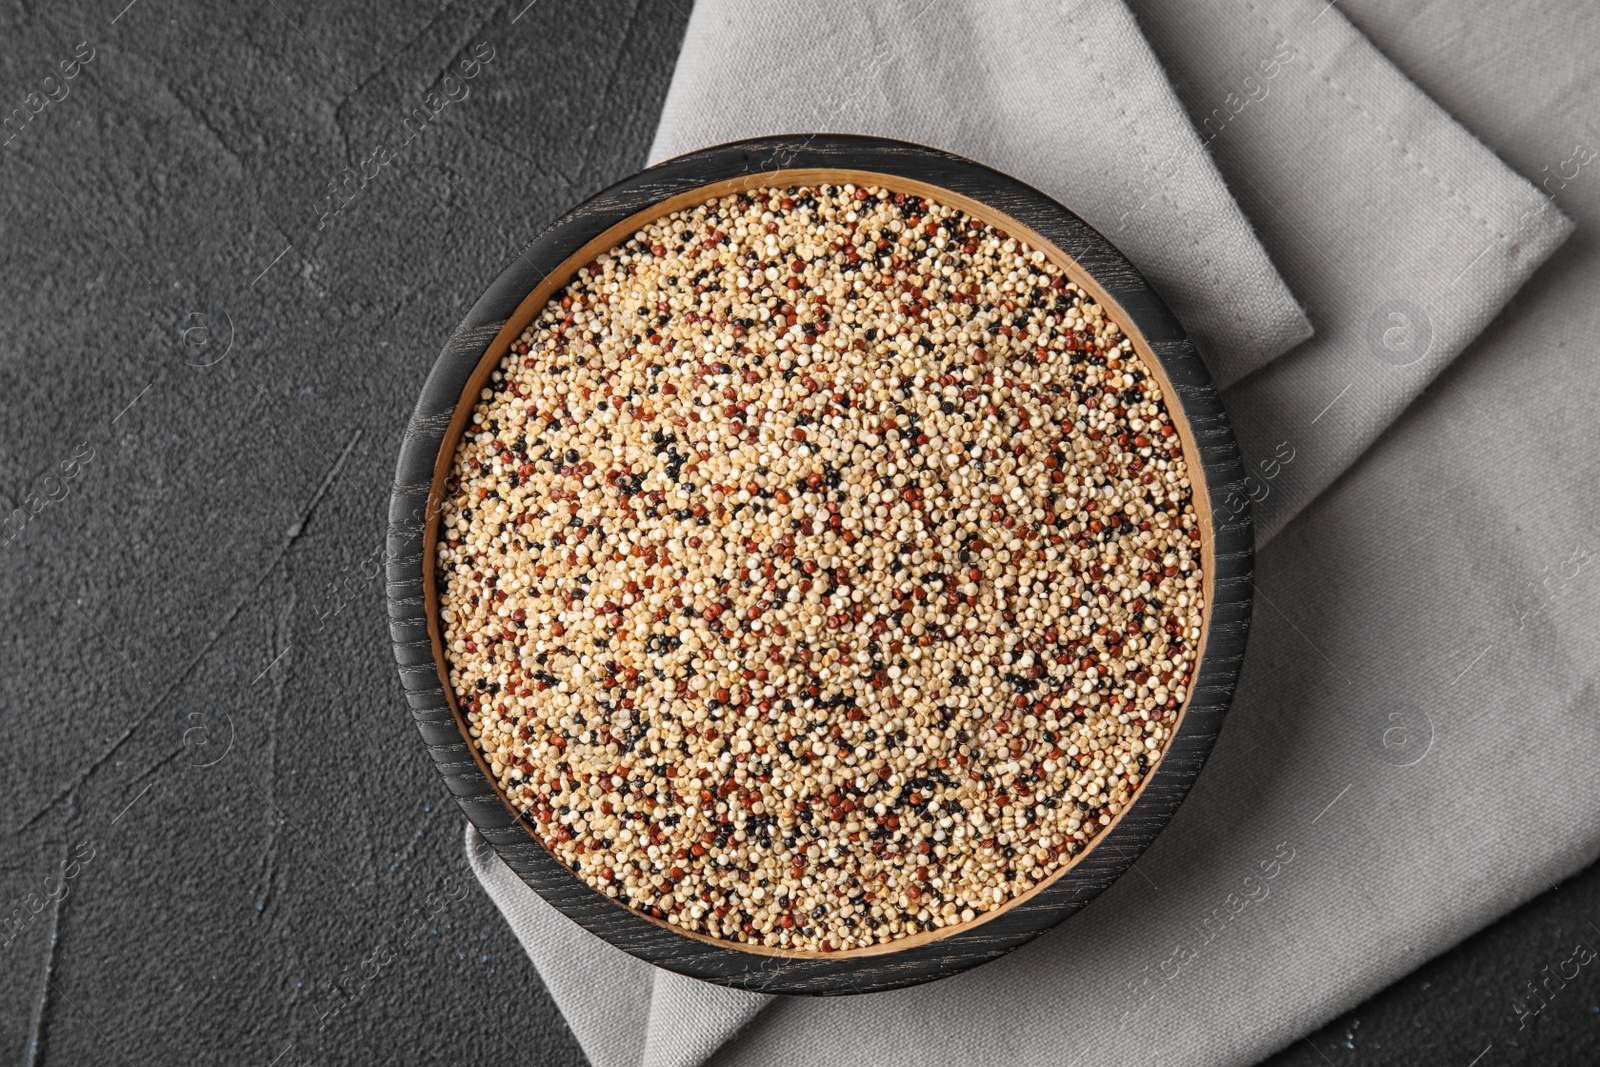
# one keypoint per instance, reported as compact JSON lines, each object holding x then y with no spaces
{"x":513,"y":301}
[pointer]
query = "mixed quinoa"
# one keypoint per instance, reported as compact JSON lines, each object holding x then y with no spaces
{"x":820,"y":568}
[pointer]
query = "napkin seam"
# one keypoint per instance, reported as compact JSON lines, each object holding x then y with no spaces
{"x":1144,"y":153}
{"x":1407,"y":150}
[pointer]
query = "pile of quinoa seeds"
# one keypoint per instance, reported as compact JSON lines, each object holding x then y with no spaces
{"x":820,"y":568}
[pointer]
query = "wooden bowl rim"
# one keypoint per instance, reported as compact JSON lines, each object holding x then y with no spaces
{"x":482,"y":340}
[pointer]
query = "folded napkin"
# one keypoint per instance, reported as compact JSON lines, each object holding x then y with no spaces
{"x":1338,"y":835}
{"x":1402,"y":234}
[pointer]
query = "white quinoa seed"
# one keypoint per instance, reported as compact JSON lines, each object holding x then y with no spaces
{"x":820,"y":568}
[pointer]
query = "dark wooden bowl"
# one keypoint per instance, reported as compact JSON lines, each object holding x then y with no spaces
{"x":516,"y":297}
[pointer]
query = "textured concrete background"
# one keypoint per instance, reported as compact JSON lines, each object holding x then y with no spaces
{"x":205,"y":728}
{"x":222,"y":841}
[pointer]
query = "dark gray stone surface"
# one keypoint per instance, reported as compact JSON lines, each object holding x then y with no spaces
{"x":1497,"y":999}
{"x":205,"y":728}
{"x":221,"y":839}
